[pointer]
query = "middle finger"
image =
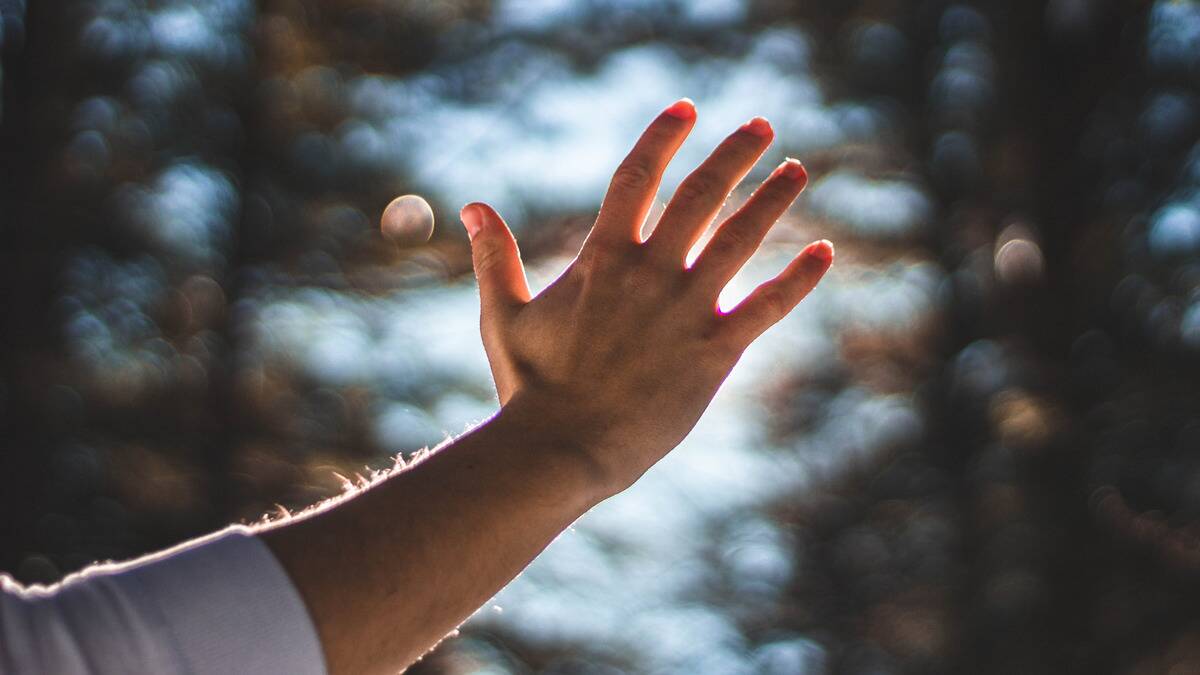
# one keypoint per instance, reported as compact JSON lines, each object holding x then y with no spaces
{"x":700,"y":196}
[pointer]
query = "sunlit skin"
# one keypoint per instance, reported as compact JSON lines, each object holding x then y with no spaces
{"x":599,"y":377}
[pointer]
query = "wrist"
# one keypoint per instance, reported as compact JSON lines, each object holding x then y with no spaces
{"x":562,"y":438}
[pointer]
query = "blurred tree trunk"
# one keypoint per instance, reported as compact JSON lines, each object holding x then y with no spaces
{"x":30,"y":251}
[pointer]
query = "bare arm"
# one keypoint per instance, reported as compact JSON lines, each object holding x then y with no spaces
{"x":599,"y":377}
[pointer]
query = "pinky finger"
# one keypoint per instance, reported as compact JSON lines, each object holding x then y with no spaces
{"x":774,"y":299}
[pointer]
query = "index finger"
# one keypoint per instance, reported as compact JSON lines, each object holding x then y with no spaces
{"x":636,"y":180}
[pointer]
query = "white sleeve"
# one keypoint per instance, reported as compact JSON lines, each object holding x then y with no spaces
{"x":220,"y":604}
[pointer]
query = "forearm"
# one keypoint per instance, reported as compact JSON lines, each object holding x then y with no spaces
{"x":391,"y":571}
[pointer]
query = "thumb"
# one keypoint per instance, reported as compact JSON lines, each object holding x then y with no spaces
{"x":497,"y":260}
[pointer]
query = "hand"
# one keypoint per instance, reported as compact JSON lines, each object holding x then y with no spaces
{"x":599,"y":377}
{"x":622,"y":354}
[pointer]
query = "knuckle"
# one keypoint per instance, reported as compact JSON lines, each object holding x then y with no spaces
{"x":722,"y":336}
{"x":601,"y":253}
{"x":713,"y":332}
{"x":488,"y":255}
{"x":646,"y":278}
{"x":734,"y":237}
{"x":699,"y":186}
{"x":633,"y":174}
{"x":775,"y":302}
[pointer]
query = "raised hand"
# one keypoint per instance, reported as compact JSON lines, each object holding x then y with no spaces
{"x":624,"y":351}
{"x":599,"y":376}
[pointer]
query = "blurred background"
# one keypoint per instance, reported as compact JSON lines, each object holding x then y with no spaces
{"x":973,"y":449}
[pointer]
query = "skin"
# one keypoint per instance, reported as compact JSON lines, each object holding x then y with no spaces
{"x":599,"y":377}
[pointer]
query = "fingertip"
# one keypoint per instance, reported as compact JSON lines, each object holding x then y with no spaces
{"x":477,"y":217}
{"x":758,"y":126}
{"x":683,"y":109}
{"x":794,"y":169}
{"x":820,"y":250}
{"x":472,"y":218}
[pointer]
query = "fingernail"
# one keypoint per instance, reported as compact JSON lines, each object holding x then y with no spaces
{"x":471,"y":219}
{"x":683,"y":109}
{"x":758,"y":126}
{"x":821,"y":250}
{"x":792,"y":168}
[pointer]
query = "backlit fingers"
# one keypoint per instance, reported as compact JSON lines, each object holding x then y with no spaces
{"x":635,"y":182}
{"x":740,"y":235}
{"x":700,"y":196}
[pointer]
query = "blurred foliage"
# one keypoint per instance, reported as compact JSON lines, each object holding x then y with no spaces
{"x":973,"y":450}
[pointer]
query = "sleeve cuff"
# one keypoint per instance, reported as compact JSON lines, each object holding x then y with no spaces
{"x":230,"y":606}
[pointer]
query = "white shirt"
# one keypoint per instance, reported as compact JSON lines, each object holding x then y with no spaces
{"x":220,"y":604}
